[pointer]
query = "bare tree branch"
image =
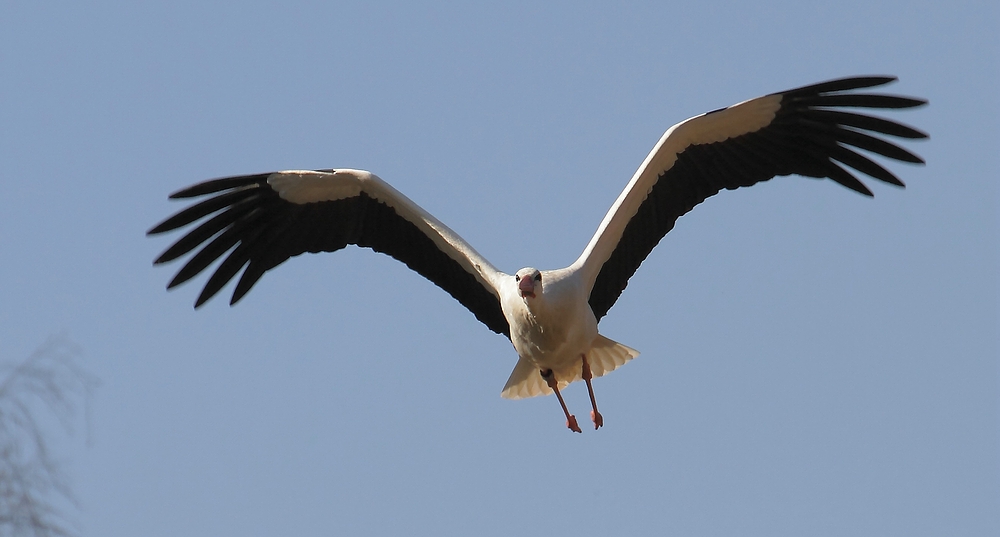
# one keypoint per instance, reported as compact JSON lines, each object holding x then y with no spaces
{"x":31,"y":481}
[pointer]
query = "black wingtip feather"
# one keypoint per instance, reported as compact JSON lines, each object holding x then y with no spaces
{"x":217,"y":185}
{"x":877,"y":145}
{"x":840,"y":84}
{"x":863,"y":122}
{"x":864,"y":165}
{"x":858,"y":100}
{"x":846,"y":178}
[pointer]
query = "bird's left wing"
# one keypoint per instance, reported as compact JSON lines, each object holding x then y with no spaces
{"x":802,"y":131}
{"x":262,"y":220}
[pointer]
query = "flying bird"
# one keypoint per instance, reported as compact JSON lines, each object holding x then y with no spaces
{"x":256,"y":222}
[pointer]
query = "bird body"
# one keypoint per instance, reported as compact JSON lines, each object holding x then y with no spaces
{"x":551,"y":317}
{"x":552,"y":321}
{"x":552,"y":330}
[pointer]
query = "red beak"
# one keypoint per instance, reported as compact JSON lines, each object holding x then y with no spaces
{"x":527,"y":287}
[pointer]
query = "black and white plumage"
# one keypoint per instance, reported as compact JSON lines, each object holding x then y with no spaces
{"x":256,"y":222}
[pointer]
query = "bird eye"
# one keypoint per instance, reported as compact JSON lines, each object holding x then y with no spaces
{"x":517,"y":278}
{"x":538,"y":277}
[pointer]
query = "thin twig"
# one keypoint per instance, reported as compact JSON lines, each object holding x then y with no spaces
{"x":31,"y":481}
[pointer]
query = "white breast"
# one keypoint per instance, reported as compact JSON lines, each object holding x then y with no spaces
{"x":554,"y":328}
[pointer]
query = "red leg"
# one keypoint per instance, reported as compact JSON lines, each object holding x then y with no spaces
{"x":594,"y":414}
{"x":550,"y":379}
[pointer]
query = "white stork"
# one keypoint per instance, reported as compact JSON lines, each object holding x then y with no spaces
{"x":550,"y":316}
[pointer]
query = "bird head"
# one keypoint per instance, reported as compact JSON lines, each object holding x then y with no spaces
{"x":529,"y":282}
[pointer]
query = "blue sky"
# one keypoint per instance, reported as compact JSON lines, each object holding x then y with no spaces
{"x":813,"y":362}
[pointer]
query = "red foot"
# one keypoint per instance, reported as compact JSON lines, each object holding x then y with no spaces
{"x":571,"y":423}
{"x":597,"y":418}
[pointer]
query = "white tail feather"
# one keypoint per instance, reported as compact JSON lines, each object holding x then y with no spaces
{"x":604,"y":357}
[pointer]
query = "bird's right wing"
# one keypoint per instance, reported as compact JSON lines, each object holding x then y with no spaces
{"x":262,"y":220}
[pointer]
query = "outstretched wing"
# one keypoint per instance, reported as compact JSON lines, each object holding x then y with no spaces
{"x":802,"y":131}
{"x":262,"y":220}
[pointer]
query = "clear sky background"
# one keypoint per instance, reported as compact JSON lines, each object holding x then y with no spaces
{"x":813,"y":362}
